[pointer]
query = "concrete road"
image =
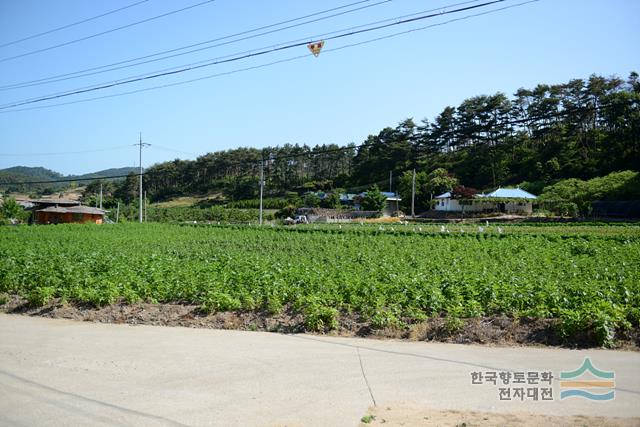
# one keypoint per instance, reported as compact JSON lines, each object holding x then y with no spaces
{"x":58,"y":372}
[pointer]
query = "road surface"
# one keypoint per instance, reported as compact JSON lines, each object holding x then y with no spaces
{"x":59,"y":372}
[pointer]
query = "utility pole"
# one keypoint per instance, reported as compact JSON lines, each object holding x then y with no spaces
{"x":118,"y":212}
{"x":390,"y":181}
{"x":261,"y":187}
{"x":101,"y":195}
{"x":145,"y":206}
{"x":141,"y":144}
{"x":413,"y":194}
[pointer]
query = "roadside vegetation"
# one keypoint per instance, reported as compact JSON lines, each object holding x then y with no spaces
{"x":586,"y":277}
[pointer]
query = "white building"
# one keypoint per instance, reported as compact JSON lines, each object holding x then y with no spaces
{"x":507,"y":200}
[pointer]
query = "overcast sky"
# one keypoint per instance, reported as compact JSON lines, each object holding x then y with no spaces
{"x":339,"y":97}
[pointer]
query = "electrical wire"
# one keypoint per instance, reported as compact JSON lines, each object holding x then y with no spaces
{"x":64,"y":27}
{"x":122,"y":27}
{"x":264,"y":52}
{"x":196,"y":50}
{"x":266,"y":64}
{"x":89,"y":71}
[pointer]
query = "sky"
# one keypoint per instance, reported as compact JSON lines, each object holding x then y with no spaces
{"x":339,"y":97}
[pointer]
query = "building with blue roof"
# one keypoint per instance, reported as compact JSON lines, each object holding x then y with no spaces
{"x":505,"y":200}
{"x":511,"y":193}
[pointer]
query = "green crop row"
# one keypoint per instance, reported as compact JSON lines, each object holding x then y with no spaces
{"x":388,"y":276}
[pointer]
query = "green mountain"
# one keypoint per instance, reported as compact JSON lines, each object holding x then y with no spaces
{"x":24,"y":173}
{"x":11,"y":177}
{"x":107,"y":172}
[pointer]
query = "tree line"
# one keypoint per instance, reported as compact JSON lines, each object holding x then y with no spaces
{"x":582,"y":129}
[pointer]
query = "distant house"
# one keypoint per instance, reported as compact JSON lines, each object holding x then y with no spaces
{"x":391,"y":207}
{"x":59,"y":211}
{"x":506,"y":200}
{"x":351,"y":202}
{"x":68,"y":214}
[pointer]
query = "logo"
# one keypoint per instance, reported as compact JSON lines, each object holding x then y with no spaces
{"x":599,"y":385}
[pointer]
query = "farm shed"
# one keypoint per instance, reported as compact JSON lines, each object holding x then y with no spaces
{"x":68,"y":214}
{"x":508,"y":200}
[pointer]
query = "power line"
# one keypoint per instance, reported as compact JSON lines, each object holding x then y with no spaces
{"x":157,"y":87}
{"x":310,"y":154}
{"x":305,"y":40}
{"x":270,"y":63}
{"x":78,"y":74}
{"x":90,"y":71}
{"x":122,"y":27}
{"x":196,"y":50}
{"x":64,"y":27}
{"x":260,"y":53}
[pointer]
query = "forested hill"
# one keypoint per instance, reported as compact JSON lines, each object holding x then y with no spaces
{"x":30,"y":174}
{"x":583,"y":128}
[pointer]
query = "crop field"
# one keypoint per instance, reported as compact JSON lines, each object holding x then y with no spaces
{"x":587,"y":276}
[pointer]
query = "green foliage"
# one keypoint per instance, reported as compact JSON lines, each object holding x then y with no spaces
{"x":597,"y":320}
{"x":220,"y":301}
{"x":374,"y":200}
{"x":311,"y":200}
{"x":319,"y":318}
{"x":538,"y":136}
{"x":10,"y":209}
{"x":286,"y":212}
{"x":128,"y":190}
{"x":40,"y":296}
{"x":385,"y":319}
{"x":583,"y":274}
{"x":440,"y":181}
{"x":428,"y":185}
{"x":331,"y":201}
{"x":189,"y":214}
{"x":267,"y":203}
{"x":558,"y":207}
{"x":453,"y":325}
{"x":615,"y":186}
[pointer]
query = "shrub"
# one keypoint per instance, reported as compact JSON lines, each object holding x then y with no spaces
{"x":220,"y":301}
{"x":40,"y":296}
{"x":319,"y":318}
{"x":374,"y":200}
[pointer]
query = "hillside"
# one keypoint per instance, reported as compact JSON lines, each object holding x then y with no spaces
{"x":9,"y":178}
{"x":107,"y":172}
{"x":29,"y":173}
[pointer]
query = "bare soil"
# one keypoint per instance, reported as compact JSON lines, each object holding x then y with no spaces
{"x":495,"y":330}
{"x":411,"y":416}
